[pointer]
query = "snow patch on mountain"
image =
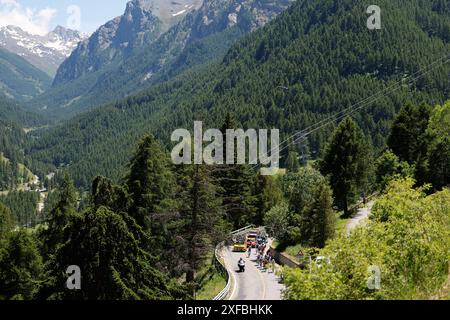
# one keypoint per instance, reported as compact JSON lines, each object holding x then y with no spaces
{"x":45,"y":52}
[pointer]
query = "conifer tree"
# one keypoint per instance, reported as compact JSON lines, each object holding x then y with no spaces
{"x":439,"y":163}
{"x":150,"y":184}
{"x":21,"y":267}
{"x":345,"y":163}
{"x":113,"y":263}
{"x":6,"y":222}
{"x":321,"y":216}
{"x":408,"y":138}
{"x":107,"y":194}
{"x":236,"y":186}
{"x":60,"y":216}
{"x":199,"y":220}
{"x":292,"y":163}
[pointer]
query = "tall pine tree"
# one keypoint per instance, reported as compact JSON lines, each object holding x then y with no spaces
{"x":199,"y":219}
{"x":150,"y":183}
{"x":60,"y":216}
{"x":320,"y":216}
{"x":6,"y":221}
{"x":237,"y":184}
{"x":408,"y":138}
{"x":345,"y":162}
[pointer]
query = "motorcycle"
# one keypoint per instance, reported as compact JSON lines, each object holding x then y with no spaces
{"x":241,"y":266}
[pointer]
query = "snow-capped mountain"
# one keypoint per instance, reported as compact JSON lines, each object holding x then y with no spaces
{"x":45,"y":52}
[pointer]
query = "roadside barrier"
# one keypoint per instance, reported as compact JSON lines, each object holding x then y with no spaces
{"x":221,"y":266}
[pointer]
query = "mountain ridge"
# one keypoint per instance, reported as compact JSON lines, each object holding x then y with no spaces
{"x":45,"y":52}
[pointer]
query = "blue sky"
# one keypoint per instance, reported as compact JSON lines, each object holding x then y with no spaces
{"x":40,"y":16}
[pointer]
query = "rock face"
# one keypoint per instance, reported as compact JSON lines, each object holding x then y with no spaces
{"x":171,"y":12}
{"x":203,"y":35}
{"x":142,"y":23}
{"x":45,"y":52}
{"x":228,"y":13}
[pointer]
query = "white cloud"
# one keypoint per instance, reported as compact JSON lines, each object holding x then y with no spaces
{"x":30,"y":20}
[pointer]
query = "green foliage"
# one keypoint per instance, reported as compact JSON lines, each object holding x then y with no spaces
{"x":23,"y":205}
{"x":439,"y":125}
{"x":421,"y":136}
{"x":112,"y":261}
{"x":346,"y":163}
{"x":197,"y":226}
{"x":319,"y":217}
{"x":51,"y":201}
{"x":307,"y":217}
{"x":298,"y":187}
{"x":13,"y":140}
{"x":149,"y":182}
{"x":408,"y":138}
{"x":60,"y":217}
{"x":277,"y":221}
{"x":236,"y":185}
{"x":439,"y":147}
{"x":269,"y":194}
{"x":389,"y":167}
{"x":12,"y":112}
{"x":21,"y":267}
{"x":6,"y":222}
{"x":408,"y":238}
{"x":117,"y":256}
{"x":292,"y":163}
{"x":105,"y":193}
{"x":439,"y":163}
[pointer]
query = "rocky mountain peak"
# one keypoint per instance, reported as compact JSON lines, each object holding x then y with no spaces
{"x":68,"y":34}
{"x":45,"y":52}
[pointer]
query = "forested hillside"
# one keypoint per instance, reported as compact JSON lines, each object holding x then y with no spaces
{"x":315,"y":59}
{"x":10,"y":111}
{"x":19,"y":79}
{"x":13,"y":120}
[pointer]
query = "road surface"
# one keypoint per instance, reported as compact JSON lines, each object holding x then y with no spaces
{"x":360,"y":217}
{"x":254,"y":283}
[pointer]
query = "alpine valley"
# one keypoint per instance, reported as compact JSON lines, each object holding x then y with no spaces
{"x":360,"y":95}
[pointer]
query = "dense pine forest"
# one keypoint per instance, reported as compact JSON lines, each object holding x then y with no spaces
{"x":13,"y":138}
{"x":364,"y":114}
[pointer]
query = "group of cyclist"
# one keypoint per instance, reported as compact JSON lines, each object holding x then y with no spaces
{"x":263,"y":257}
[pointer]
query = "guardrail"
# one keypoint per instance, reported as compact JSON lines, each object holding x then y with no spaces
{"x":224,"y":293}
{"x":242,"y":230}
{"x":221,"y":265}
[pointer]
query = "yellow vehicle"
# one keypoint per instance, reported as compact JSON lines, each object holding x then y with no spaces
{"x":240,"y":247}
{"x":251,"y":239}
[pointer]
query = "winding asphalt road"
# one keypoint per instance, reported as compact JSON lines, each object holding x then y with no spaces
{"x":254,"y":283}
